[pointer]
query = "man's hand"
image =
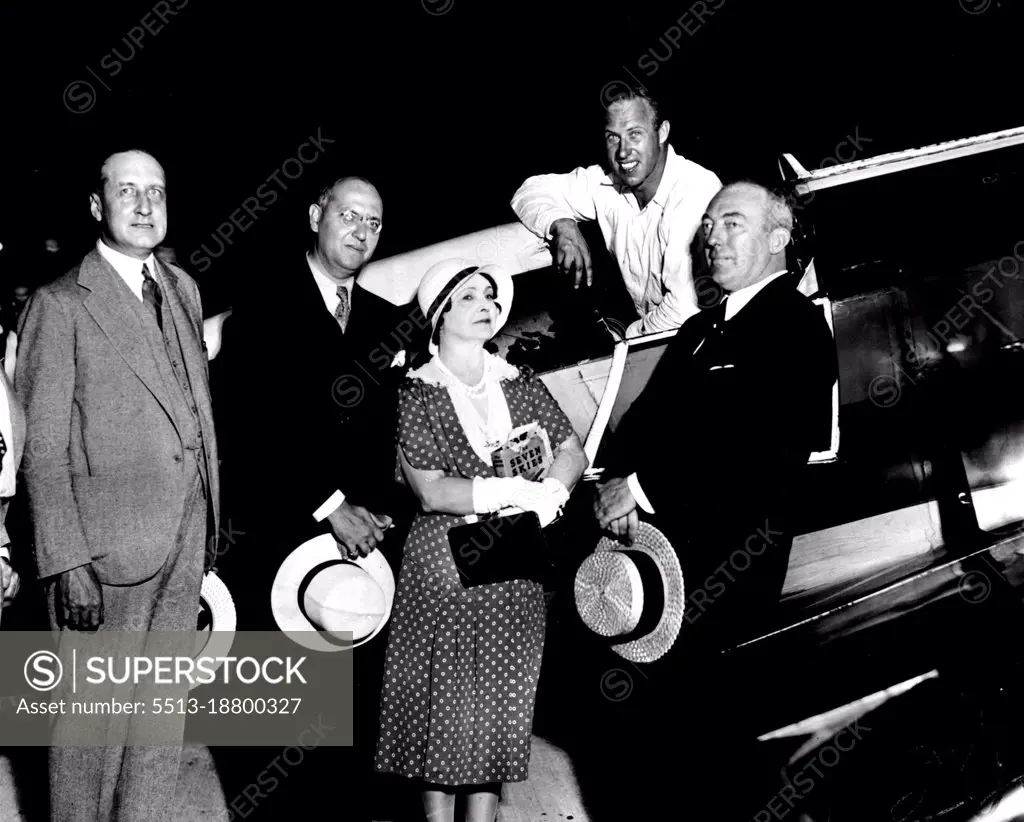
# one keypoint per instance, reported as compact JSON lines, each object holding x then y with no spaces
{"x":80,"y":599}
{"x":624,"y":529}
{"x":615,"y":509}
{"x":571,"y":252}
{"x":9,"y":582}
{"x":356,"y":529}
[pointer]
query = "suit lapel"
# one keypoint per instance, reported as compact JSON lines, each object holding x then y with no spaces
{"x":107,"y":304}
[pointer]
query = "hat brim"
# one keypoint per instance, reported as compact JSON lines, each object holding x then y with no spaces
{"x":284,"y":593}
{"x":655,"y":644}
{"x":216,"y":641}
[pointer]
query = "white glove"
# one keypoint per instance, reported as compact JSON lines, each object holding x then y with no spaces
{"x":558,"y":491}
{"x":491,"y":494}
{"x":543,"y":498}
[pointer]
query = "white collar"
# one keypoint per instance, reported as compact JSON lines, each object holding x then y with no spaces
{"x":738,"y":299}
{"x":128,"y":267}
{"x":327,"y":285}
{"x":435,"y":372}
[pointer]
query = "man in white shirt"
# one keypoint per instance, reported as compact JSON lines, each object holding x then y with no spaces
{"x":648,"y":208}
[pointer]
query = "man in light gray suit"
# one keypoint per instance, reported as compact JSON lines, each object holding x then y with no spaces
{"x":123,"y":485}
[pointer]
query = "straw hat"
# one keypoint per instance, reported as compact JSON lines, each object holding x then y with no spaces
{"x":217,"y":620}
{"x":327,"y":603}
{"x":633,"y":595}
{"x":445,"y":279}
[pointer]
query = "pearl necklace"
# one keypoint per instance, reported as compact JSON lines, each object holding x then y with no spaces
{"x":474,"y":392}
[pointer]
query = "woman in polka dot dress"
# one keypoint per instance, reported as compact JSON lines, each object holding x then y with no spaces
{"x":462,"y":664}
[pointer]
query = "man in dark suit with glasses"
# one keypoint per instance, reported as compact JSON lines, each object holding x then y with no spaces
{"x":309,"y":425}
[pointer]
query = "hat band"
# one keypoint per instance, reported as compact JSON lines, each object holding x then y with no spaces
{"x":653,"y":596}
{"x":446,"y":292}
{"x":300,"y":593}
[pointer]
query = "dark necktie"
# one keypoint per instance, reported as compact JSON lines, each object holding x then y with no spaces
{"x":151,"y":295}
{"x":716,"y":319}
{"x":3,"y":448}
{"x":344,"y":308}
{"x":718,"y":314}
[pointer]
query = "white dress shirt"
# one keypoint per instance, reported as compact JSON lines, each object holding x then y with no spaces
{"x":329,"y":291}
{"x":129,"y":268}
{"x":651,"y":245}
{"x":734,"y":303}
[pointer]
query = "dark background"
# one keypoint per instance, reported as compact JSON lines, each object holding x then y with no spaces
{"x":451,"y":111}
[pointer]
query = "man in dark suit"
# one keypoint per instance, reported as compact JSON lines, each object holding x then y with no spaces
{"x":329,"y":362}
{"x":123,"y":483}
{"x":712,"y":447}
{"x":711,"y":453}
{"x":322,"y":372}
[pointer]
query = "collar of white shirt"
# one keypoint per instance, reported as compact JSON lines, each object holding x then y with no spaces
{"x":735,"y":301}
{"x":129,"y":268}
{"x":328,"y":287}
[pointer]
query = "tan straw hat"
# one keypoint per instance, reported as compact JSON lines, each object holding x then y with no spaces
{"x":633,"y":595}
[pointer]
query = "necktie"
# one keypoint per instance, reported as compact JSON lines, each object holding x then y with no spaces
{"x":3,"y":448}
{"x":716,"y":319}
{"x":151,"y":295}
{"x":342,"y":311}
{"x":718,"y":314}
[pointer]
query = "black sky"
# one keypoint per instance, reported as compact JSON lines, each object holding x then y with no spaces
{"x":450,"y":111}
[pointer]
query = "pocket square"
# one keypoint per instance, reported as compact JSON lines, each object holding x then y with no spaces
{"x":719,"y":367}
{"x":399,"y":359}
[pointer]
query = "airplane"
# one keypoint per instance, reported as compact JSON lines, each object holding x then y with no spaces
{"x":911,"y":519}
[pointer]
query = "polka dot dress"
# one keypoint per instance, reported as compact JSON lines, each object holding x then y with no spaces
{"x":462,"y":665}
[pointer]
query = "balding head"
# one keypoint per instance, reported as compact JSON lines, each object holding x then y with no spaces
{"x":746,"y":231}
{"x":131,"y":203}
{"x":347,"y":220}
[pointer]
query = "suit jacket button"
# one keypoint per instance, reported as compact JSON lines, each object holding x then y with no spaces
{"x":177,"y":457}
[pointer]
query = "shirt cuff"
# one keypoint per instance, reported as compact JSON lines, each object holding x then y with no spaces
{"x":5,"y":552}
{"x":321,"y":513}
{"x":634,"y":329}
{"x":638,"y":493}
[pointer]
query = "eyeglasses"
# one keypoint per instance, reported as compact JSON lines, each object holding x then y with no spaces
{"x":350,"y":218}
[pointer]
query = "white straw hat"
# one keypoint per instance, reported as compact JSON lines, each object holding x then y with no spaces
{"x":327,"y":603}
{"x":218,"y":608}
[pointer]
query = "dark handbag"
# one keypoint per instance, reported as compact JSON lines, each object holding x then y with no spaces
{"x":500,"y":549}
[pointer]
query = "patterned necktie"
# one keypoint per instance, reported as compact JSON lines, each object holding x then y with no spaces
{"x":151,"y":295}
{"x":342,"y":311}
{"x":3,"y":448}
